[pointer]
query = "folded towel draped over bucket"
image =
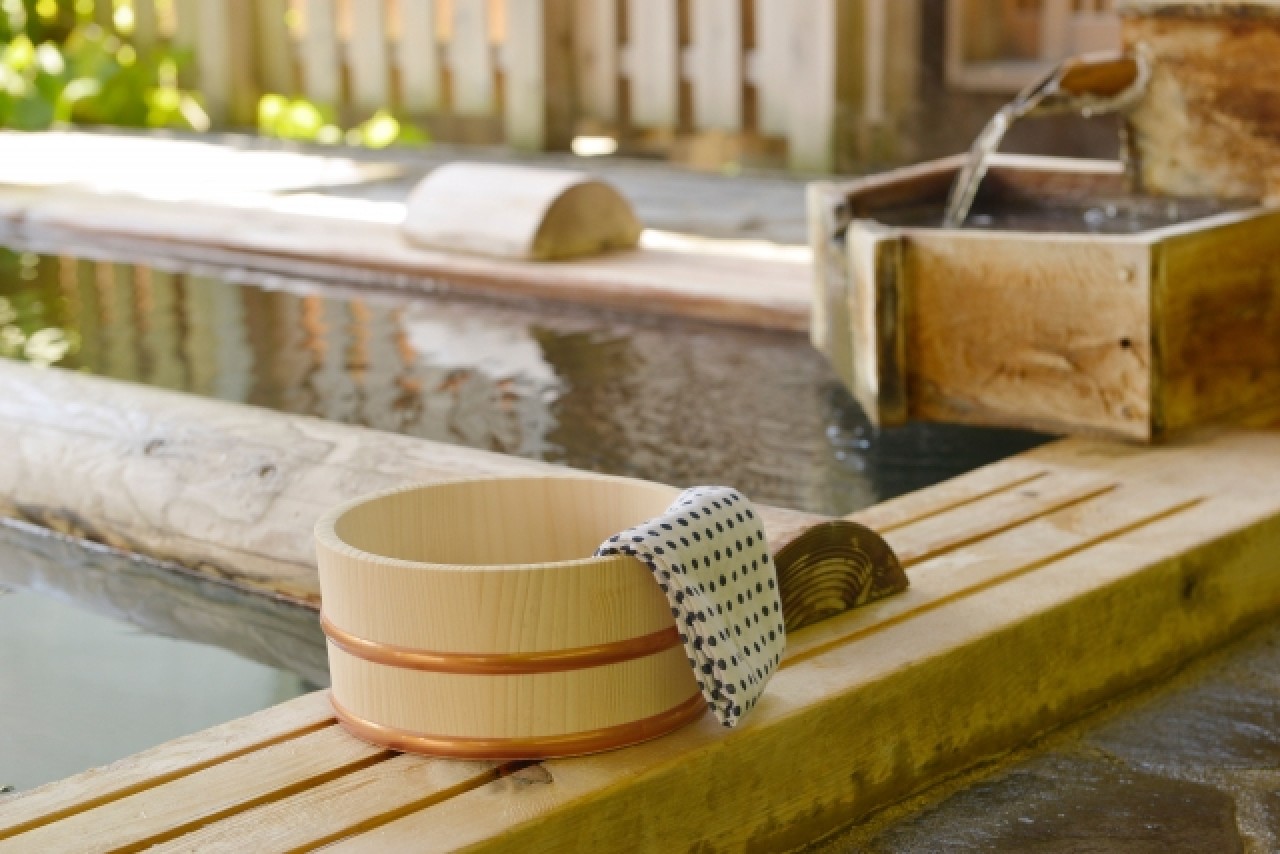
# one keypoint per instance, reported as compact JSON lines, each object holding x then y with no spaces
{"x":708,"y":554}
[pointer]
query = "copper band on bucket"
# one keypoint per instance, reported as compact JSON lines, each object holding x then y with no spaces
{"x":548,"y":661}
{"x":530,"y":747}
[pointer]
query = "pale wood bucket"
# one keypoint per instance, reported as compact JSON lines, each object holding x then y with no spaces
{"x":468,"y":619}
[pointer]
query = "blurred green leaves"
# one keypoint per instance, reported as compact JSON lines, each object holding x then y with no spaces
{"x":299,"y":119}
{"x":56,"y":67}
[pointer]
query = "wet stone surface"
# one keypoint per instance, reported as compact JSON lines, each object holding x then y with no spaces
{"x":1066,"y":802}
{"x":1192,"y":765}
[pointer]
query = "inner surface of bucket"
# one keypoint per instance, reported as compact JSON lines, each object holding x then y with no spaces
{"x":508,"y":521}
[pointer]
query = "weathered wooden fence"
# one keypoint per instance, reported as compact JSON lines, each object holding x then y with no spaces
{"x":805,"y":78}
{"x":1003,"y":45}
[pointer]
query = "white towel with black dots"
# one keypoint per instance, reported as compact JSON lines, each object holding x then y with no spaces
{"x":708,"y":554}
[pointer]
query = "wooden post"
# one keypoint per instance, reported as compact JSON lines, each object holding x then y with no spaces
{"x":274,"y":47}
{"x":321,"y":63}
{"x":538,"y":95}
{"x":369,"y":58}
{"x":653,"y":63}
{"x":811,"y":117}
{"x":718,"y":47}
{"x":419,"y":55}
{"x":225,"y":61}
{"x":596,"y":57}
{"x":471,"y":59}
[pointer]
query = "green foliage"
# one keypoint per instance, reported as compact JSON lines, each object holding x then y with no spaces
{"x":56,"y":68}
{"x":298,"y":118}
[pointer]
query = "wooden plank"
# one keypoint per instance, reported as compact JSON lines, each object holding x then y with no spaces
{"x":1216,"y":309}
{"x":772,"y":64}
{"x":274,"y":47}
{"x":163,"y":812}
{"x":350,"y":804}
{"x":247,"y":519}
{"x":421,"y":86}
{"x":597,"y":57}
{"x":369,"y":58}
{"x":718,"y":48}
{"x":980,"y":349}
{"x":813,"y":54}
{"x":146,"y":30}
{"x":321,"y":63}
{"x":535,"y":72}
{"x":1055,"y":29}
{"x":225,"y":62}
{"x":694,"y":277}
{"x":471,"y":59}
{"x":653,"y":63}
{"x":169,"y":762}
{"x":1063,"y":613}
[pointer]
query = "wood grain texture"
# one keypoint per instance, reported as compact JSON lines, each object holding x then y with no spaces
{"x":222,"y":489}
{"x":1178,"y":561}
{"x":513,"y":212}
{"x":1209,"y":124}
{"x":1023,"y":628}
{"x":500,"y":568}
{"x":1030,"y":331}
{"x":695,"y":277}
{"x":1216,"y":296}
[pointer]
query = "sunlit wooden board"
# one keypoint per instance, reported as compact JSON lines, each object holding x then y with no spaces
{"x":1041,"y":586}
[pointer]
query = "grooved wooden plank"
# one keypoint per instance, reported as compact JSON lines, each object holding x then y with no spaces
{"x":977,"y":521}
{"x":352,"y":803}
{"x":470,"y":59}
{"x":321,"y":62}
{"x":369,"y":57}
{"x":977,"y":484}
{"x":170,"y":761}
{"x":157,"y":814}
{"x":653,"y":58}
{"x":1064,"y":612}
{"x":420,"y":81}
{"x":718,"y":65}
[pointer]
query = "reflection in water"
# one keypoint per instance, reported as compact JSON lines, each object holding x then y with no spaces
{"x":671,"y":401}
{"x":87,"y":690}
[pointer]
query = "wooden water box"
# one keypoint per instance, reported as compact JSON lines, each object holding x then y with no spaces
{"x":1072,"y":306}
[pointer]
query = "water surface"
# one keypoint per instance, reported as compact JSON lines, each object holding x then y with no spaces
{"x":674,"y":401}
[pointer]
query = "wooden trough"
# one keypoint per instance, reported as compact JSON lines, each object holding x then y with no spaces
{"x":1041,"y":586}
{"x":1170,"y":322}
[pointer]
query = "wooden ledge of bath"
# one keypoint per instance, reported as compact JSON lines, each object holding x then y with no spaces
{"x":747,"y":283}
{"x":1041,"y":586}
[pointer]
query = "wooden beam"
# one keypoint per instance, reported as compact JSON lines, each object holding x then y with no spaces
{"x":1134,"y":560}
{"x":723,"y":281}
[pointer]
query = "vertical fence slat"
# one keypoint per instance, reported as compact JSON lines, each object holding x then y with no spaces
{"x":368,"y":57}
{"x":718,"y":64}
{"x":1055,"y":29}
{"x":419,"y":57}
{"x":772,"y":65}
{"x":470,"y":58}
{"x":320,"y":59}
{"x":146,"y":32}
{"x":525,"y":77}
{"x":224,"y":60}
{"x":186,"y":14}
{"x":812,"y":56}
{"x":653,"y":62}
{"x":875,"y":28}
{"x":596,"y":43}
{"x":274,"y":46}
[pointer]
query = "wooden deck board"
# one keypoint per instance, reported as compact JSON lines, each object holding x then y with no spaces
{"x":1127,"y":562}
